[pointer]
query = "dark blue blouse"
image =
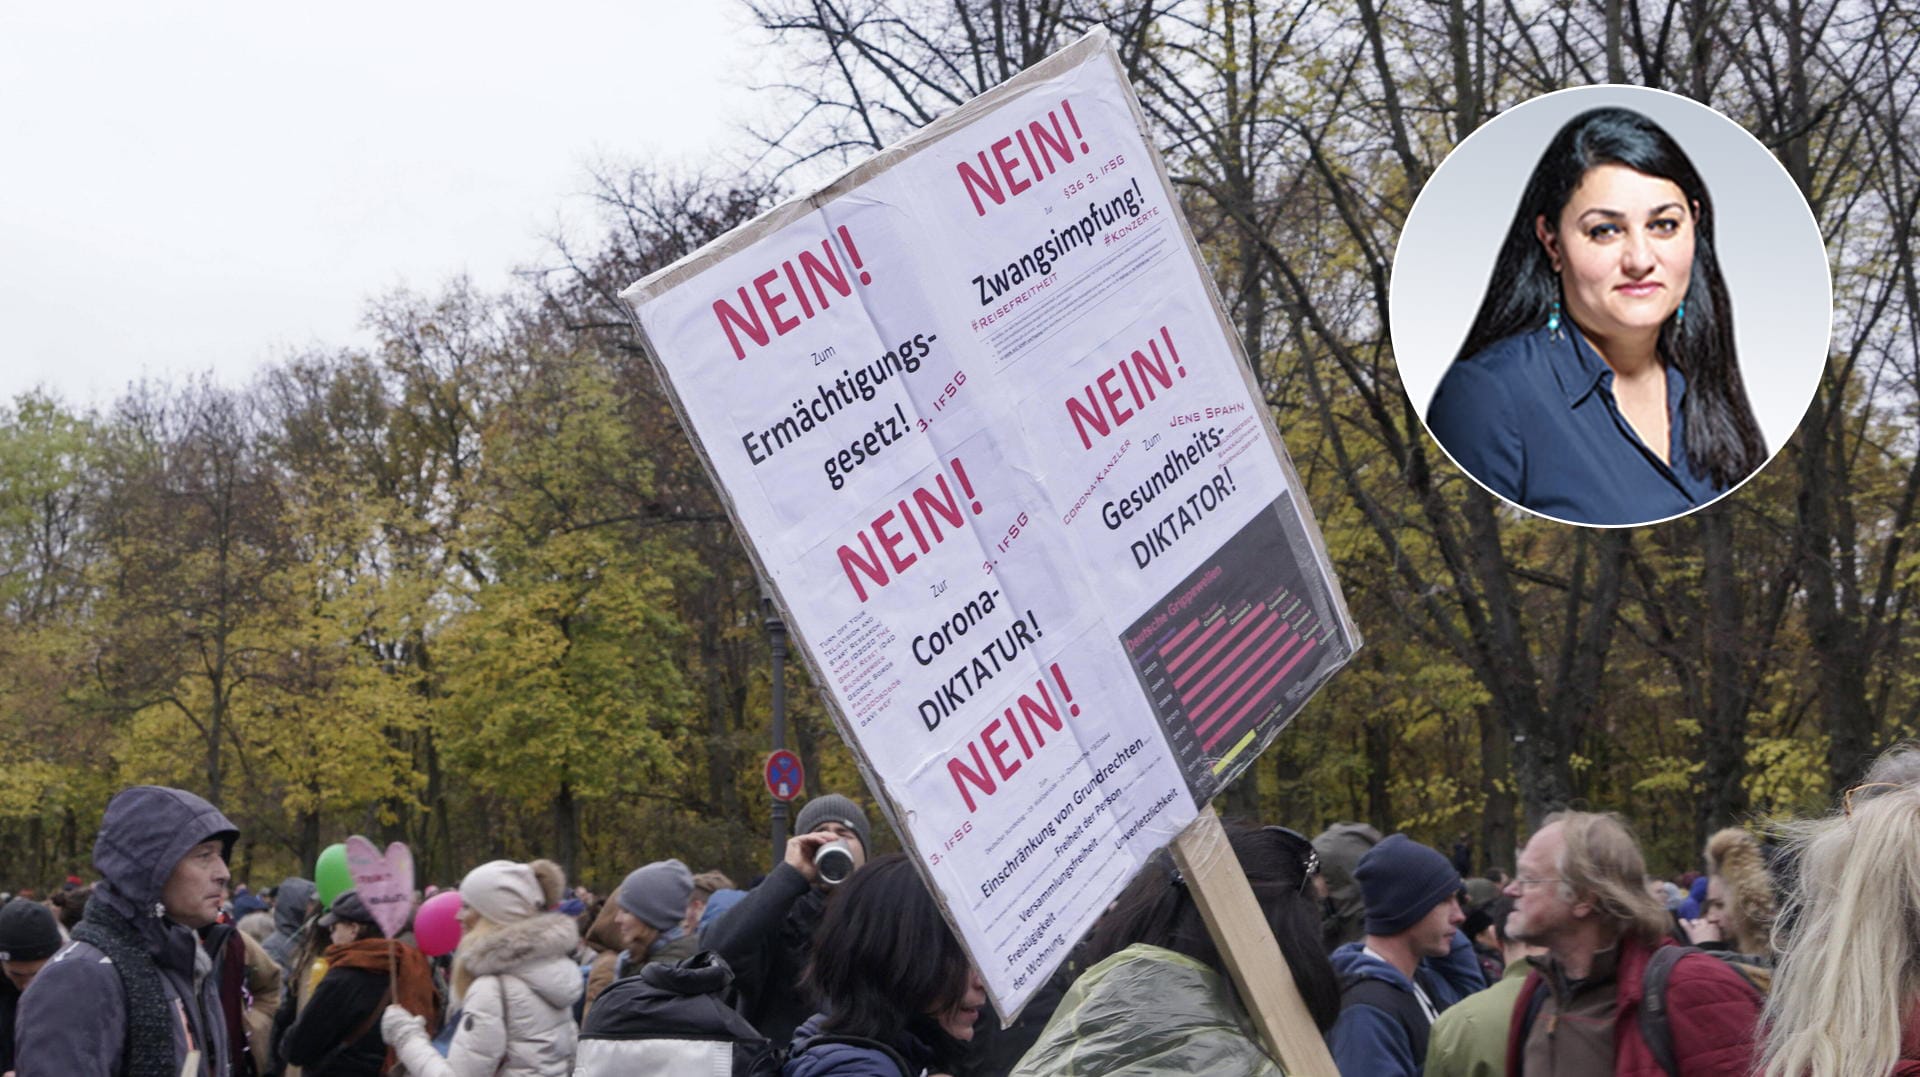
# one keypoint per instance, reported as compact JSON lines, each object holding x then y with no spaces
{"x":1534,"y":419}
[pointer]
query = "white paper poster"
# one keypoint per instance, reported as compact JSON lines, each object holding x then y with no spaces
{"x":977,"y":412}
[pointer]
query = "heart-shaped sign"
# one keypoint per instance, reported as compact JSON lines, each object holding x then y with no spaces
{"x":384,"y":882}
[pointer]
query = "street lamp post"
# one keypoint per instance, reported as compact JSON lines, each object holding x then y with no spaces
{"x":777,"y":644}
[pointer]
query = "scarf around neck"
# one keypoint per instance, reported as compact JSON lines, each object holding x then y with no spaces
{"x":413,"y":987}
{"x":148,"y":1048}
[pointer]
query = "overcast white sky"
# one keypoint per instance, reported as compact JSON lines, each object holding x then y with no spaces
{"x":216,"y":186}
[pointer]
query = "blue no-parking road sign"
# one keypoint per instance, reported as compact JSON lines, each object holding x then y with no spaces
{"x":784,"y":776}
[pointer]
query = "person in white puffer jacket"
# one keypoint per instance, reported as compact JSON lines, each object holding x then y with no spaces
{"x":514,"y":981}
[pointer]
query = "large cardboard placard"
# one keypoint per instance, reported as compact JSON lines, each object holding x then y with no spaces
{"x":990,"y":437}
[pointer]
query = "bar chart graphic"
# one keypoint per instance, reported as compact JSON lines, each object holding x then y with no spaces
{"x":1230,"y":655}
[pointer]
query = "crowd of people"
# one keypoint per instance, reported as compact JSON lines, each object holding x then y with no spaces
{"x":1794,"y":954}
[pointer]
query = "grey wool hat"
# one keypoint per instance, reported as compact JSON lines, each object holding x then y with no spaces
{"x":834,"y":808}
{"x":657,"y":894}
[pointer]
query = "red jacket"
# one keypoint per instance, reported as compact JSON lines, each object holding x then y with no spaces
{"x":1713,"y":1012}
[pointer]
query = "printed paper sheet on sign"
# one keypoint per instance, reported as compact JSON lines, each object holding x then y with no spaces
{"x":979,"y":414}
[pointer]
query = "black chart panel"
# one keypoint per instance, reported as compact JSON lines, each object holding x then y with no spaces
{"x":1234,"y":651}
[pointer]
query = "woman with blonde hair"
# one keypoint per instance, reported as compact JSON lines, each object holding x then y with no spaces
{"x":1846,"y":994}
{"x":1739,"y":908}
{"x":514,"y":981}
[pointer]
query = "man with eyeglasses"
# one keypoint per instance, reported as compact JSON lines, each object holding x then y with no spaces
{"x":1579,"y":893}
{"x":1413,"y":962}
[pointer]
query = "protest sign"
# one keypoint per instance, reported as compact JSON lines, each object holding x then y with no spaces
{"x":992,"y":442}
{"x":384,"y":882}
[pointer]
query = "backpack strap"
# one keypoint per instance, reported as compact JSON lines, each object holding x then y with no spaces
{"x":359,"y":1032}
{"x":1654,"y":1026}
{"x":863,"y":1042}
{"x":1391,"y":1000}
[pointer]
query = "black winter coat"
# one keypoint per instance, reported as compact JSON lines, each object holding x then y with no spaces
{"x":9,"y":1004}
{"x":671,"y":1019}
{"x":342,"y":1002}
{"x":766,"y":938}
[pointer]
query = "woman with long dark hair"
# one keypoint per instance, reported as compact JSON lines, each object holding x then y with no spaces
{"x":897,"y":992}
{"x":1158,"y":1001}
{"x":1599,"y":383}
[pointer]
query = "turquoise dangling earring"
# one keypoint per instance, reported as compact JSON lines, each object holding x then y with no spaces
{"x":1553,"y":318}
{"x":1680,"y":314}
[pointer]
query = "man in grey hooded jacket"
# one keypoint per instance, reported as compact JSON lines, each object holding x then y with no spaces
{"x":289,"y":914}
{"x":138,"y":988}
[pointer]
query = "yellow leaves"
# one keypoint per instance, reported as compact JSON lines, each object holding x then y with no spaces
{"x":1786,"y":774}
{"x":1908,"y":565}
{"x":546,"y":685}
{"x":1669,"y":774}
{"x":1442,"y":804}
{"x":560,"y":669}
{"x":25,"y":787}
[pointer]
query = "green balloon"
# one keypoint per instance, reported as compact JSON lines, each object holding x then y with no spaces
{"x":330,"y":875}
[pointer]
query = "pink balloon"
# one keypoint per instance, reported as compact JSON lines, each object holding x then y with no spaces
{"x":436,"y":925}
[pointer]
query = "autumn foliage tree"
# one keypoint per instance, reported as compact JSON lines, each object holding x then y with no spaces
{"x":470,"y":587}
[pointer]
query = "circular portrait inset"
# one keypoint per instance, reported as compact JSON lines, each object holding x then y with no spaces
{"x":1611,"y":304}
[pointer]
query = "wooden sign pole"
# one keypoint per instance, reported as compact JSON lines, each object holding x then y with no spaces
{"x":1246,"y":942}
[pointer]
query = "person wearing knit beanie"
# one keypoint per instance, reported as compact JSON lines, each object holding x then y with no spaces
{"x":766,"y":936}
{"x":656,"y":895}
{"x":649,"y":911}
{"x":28,"y":937}
{"x":834,"y":808}
{"x":1412,"y":963}
{"x":507,"y":892}
{"x":1401,"y":881}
